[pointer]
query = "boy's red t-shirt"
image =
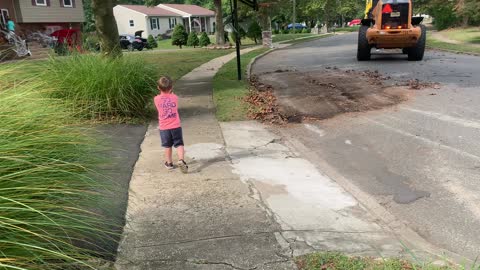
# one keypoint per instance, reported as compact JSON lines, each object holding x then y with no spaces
{"x":167,"y":107}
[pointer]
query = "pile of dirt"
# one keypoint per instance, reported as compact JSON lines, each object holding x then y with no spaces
{"x":418,"y":85}
{"x":293,"y":96}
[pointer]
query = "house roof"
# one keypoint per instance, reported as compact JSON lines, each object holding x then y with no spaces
{"x":151,"y":11}
{"x":191,"y":9}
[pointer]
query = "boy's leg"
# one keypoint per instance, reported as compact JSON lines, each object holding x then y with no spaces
{"x":168,"y":155}
{"x":178,"y":143}
{"x":181,"y":152}
{"x":167,"y":143}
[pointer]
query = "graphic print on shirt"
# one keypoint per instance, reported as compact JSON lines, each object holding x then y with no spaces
{"x":168,"y":109}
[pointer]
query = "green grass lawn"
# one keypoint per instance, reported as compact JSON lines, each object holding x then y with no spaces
{"x":337,"y":261}
{"x":465,"y":35}
{"x":228,"y":92}
{"x":178,"y":63}
{"x":166,"y":44}
{"x":463,"y":48}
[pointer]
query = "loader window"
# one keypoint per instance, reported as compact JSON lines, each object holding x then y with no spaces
{"x":395,"y":16}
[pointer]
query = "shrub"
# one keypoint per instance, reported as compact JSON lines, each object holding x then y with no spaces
{"x":179,"y":36}
{"x":254,"y":32}
{"x":444,"y":16}
{"x":204,"y":40}
{"x":306,"y":31}
{"x":152,"y":43}
{"x":99,"y":88}
{"x":285,"y":31}
{"x":276,"y":32}
{"x":193,"y":40}
{"x":46,"y":185}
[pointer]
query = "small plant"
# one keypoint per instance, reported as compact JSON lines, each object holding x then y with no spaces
{"x":204,"y":40}
{"x":254,"y":32}
{"x":179,"y":36}
{"x":306,"y":31}
{"x":193,"y":40}
{"x":276,"y":32}
{"x":152,"y":43}
{"x":285,"y":31}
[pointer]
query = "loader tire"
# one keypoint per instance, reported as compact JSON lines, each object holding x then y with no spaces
{"x":416,"y":53}
{"x":363,"y":50}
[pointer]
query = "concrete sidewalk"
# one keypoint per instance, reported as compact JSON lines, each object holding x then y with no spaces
{"x":252,"y":204}
{"x":207,"y":219}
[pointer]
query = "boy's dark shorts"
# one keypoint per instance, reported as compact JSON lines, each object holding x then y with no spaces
{"x":171,"y":137}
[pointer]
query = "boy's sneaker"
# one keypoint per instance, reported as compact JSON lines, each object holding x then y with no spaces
{"x":169,"y":165}
{"x":183,"y":166}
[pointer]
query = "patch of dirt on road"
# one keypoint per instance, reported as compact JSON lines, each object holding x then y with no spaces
{"x":293,"y":96}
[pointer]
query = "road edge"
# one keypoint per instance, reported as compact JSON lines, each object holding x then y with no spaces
{"x":254,"y":60}
{"x":401,"y":230}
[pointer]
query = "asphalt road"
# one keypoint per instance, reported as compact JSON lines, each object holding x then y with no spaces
{"x":419,"y":159}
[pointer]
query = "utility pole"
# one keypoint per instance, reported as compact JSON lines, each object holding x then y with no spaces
{"x":294,"y":17}
{"x":236,"y":27}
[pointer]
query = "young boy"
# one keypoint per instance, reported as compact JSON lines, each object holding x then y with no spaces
{"x":169,"y":123}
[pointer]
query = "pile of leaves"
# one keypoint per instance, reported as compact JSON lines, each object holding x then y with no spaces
{"x":263,"y":103}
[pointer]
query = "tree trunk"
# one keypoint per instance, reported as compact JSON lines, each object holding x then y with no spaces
{"x":219,"y":32}
{"x":106,"y":27}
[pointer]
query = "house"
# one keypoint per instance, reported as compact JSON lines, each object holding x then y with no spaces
{"x":160,"y":19}
{"x":44,"y":16}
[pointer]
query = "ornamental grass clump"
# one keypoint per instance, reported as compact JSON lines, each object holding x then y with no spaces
{"x":48,"y":187}
{"x":101,"y":88}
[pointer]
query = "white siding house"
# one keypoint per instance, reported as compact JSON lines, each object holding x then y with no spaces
{"x":162,"y":18}
{"x":152,"y":20}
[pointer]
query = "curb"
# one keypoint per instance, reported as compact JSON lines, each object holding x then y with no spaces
{"x":254,"y":60}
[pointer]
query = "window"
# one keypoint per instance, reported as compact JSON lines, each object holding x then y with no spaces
{"x":67,"y":3}
{"x":172,"y":22}
{"x":154,"y":24}
{"x":131,"y":23}
{"x":41,"y":3}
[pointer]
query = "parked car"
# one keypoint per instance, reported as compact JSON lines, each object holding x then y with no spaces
{"x":354,"y":22}
{"x":133,"y":42}
{"x":297,"y":26}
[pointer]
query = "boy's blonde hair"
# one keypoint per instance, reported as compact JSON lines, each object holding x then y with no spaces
{"x":165,"y":84}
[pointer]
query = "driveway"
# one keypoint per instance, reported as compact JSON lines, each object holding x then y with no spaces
{"x":418,"y":155}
